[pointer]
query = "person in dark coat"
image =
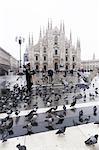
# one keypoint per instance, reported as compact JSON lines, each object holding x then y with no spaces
{"x":50,"y":74}
{"x":28,"y":77}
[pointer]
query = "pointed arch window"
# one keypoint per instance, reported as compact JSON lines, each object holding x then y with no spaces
{"x":44,"y":50}
{"x":56,"y":52}
{"x":44,"y":58}
{"x":73,"y":58}
{"x":56,"y":40}
{"x":66,"y":58}
{"x":66,"y":51}
{"x":36,"y":58}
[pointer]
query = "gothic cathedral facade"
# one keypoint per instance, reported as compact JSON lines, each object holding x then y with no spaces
{"x":54,"y":51}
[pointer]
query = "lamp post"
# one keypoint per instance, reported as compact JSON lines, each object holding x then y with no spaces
{"x":20,"y":40}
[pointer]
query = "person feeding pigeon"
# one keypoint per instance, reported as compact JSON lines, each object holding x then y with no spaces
{"x":28,"y":77}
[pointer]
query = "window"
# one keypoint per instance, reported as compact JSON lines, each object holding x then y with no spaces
{"x":44,"y":49}
{"x":66,"y":67}
{"x":73,"y":58}
{"x":66,"y":50}
{"x":66,"y":58}
{"x":56,"y":40}
{"x":37,"y":67}
{"x":36,"y":57}
{"x":73,"y":66}
{"x":45,"y":67}
{"x":55,"y":51}
{"x":44,"y":58}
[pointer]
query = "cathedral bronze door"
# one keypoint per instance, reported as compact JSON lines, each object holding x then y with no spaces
{"x":56,"y":66}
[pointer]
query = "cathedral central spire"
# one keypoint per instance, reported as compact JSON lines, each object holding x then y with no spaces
{"x":29,"y":40}
{"x":48,"y":24}
{"x":63,"y":27}
{"x":70,"y":36}
{"x":40,"y":33}
{"x":32,"y":38}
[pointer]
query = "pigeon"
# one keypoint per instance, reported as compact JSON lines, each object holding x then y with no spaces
{"x":87,"y":119}
{"x":29,"y":128}
{"x":17,"y":112}
{"x":31,"y":113}
{"x":96,"y":122}
{"x":61,"y":118}
{"x":49,"y":103}
{"x":21,"y":147}
{"x":80,"y":113}
{"x":64,"y":107}
{"x":4,"y":136}
{"x":51,"y":109}
{"x":61,"y":131}
{"x":9,"y":112}
{"x":65,"y":97}
{"x":94,"y":110}
{"x":50,"y":121}
{"x":75,"y":123}
{"x":73,"y":103}
{"x":92,"y":140}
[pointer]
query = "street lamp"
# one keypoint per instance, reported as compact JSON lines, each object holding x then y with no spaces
{"x":20,"y":40}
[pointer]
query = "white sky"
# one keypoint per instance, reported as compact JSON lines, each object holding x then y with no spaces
{"x":19,"y":17}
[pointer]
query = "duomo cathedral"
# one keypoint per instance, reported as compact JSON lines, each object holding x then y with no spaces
{"x":53,"y":50}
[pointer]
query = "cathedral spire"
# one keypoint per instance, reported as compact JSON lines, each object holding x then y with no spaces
{"x":63,"y":27}
{"x":29,"y":40}
{"x":70,"y":36}
{"x":78,"y":43}
{"x":51,"y":24}
{"x":48,"y":24}
{"x":43,"y":31}
{"x":60,"y":26}
{"x":26,"y":49}
{"x":32,"y":38}
{"x":40,"y":33}
{"x":93,"y":56}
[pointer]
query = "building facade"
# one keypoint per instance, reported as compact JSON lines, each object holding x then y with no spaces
{"x":7,"y":62}
{"x":54,"y":50}
{"x":14,"y":64}
{"x":90,"y":64}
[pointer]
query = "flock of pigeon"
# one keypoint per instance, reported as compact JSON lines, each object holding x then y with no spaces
{"x":18,"y":97}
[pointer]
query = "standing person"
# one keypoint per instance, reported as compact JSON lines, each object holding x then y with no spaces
{"x":28,"y":77}
{"x":50,"y":74}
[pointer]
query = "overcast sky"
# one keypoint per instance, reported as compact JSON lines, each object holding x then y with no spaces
{"x":19,"y":17}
